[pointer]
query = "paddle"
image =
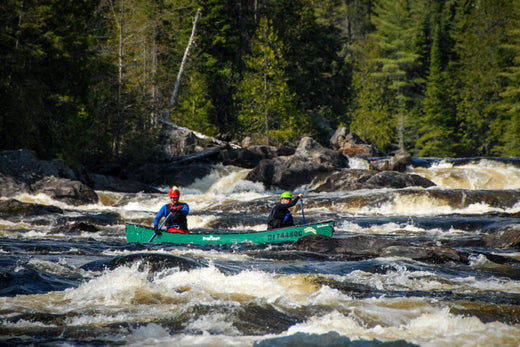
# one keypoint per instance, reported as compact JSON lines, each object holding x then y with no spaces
{"x":303,"y":214}
{"x":155,"y":234}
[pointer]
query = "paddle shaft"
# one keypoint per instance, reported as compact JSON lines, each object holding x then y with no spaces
{"x":303,"y":214}
{"x":155,"y":234}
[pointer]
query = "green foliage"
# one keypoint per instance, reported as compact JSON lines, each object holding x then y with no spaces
{"x":88,"y":81}
{"x":507,"y":127}
{"x":372,"y":118}
{"x":477,"y":74}
{"x":263,"y":95}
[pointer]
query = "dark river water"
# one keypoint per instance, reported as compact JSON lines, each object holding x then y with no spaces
{"x":60,"y":286}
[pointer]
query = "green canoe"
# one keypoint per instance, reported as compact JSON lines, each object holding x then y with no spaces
{"x":139,"y":233}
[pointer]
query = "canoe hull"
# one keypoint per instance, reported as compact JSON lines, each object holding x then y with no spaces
{"x":139,"y":233}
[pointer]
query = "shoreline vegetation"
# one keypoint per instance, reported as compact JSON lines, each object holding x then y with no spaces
{"x":89,"y":82}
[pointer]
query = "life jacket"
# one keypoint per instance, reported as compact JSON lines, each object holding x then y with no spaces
{"x":280,"y":219}
{"x":177,"y":223}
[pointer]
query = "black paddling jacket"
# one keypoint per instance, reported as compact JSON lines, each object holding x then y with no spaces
{"x":178,"y":218}
{"x":280,"y":217}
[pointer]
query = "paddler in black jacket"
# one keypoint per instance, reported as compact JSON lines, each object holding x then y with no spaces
{"x":280,"y":216}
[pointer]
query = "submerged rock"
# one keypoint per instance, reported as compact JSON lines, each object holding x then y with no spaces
{"x":153,"y":261}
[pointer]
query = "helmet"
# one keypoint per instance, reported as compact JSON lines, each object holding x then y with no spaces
{"x":286,"y":195}
{"x":174,"y":192}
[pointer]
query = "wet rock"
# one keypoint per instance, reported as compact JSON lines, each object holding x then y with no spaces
{"x":116,"y":184}
{"x":371,"y":246}
{"x":21,"y":168}
{"x":311,"y":162}
{"x":509,"y":238}
{"x":352,"y":145}
{"x":78,"y":227}
{"x":153,"y":261}
{"x":241,"y":157}
{"x":15,"y":207}
{"x":353,"y":179}
{"x":426,"y":253}
{"x":398,"y":162}
{"x":65,"y":190}
{"x":170,"y":173}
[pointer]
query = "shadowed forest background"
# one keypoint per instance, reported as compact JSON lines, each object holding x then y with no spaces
{"x":89,"y":81}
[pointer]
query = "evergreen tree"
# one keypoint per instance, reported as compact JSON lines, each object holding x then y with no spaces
{"x":372,"y":118}
{"x":507,"y":127}
{"x":317,"y":73}
{"x":436,"y":127}
{"x":264,"y":98}
{"x":395,"y":66}
{"x":477,"y":72}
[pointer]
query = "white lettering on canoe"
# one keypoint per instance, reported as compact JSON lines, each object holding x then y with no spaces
{"x":210,"y":238}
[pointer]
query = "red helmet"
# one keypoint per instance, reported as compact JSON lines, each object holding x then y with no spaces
{"x":174,"y":192}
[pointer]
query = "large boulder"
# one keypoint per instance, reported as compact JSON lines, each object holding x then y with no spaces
{"x":21,"y":168}
{"x":398,"y":162}
{"x":65,"y":190}
{"x":353,"y":179}
{"x":311,"y":162}
{"x":22,"y":172}
{"x":352,"y":145}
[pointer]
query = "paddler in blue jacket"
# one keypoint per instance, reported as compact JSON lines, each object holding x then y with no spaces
{"x":177,"y":212}
{"x":280,"y":216}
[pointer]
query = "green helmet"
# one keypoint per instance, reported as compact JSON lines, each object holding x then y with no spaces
{"x":286,"y":195}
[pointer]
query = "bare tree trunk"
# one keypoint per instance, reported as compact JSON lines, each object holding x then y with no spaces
{"x":154,"y":65}
{"x":120,"y":115}
{"x":181,"y":70}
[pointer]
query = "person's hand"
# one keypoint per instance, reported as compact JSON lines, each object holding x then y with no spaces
{"x":157,"y":231}
{"x":300,"y":195}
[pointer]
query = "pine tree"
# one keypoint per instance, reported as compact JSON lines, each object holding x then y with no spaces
{"x":478,"y":72}
{"x":507,"y":127}
{"x":263,"y":96}
{"x":436,"y":125}
{"x":371,"y":118}
{"x":395,"y":65}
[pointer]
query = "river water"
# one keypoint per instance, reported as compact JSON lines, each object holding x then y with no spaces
{"x":91,"y":288}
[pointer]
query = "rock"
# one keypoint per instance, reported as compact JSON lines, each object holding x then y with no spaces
{"x":170,"y":173}
{"x":22,"y":168}
{"x":353,"y":179}
{"x":311,"y":162}
{"x":65,"y":190}
{"x":241,"y":157}
{"x":115,"y":184}
{"x":352,"y":145}
{"x":509,"y":238}
{"x":398,"y":162}
{"x":372,"y":246}
{"x":15,"y":207}
{"x":426,"y":253}
{"x":78,"y":227}
{"x":316,"y":243}
{"x":153,"y":261}
{"x":175,"y":142}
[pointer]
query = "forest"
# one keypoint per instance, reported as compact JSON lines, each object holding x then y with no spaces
{"x":92,"y":81}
